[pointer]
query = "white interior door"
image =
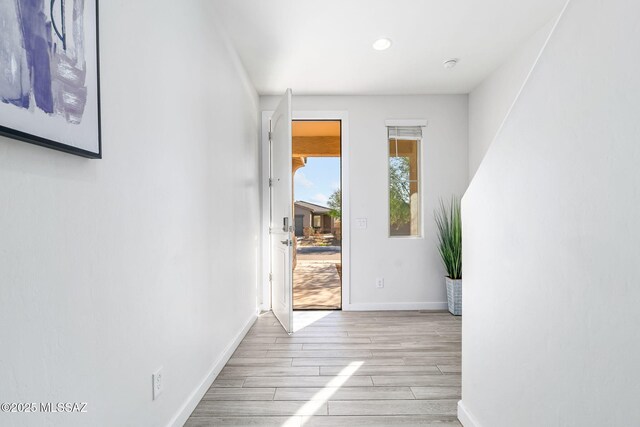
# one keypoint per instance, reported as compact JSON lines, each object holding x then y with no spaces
{"x":282,"y":225}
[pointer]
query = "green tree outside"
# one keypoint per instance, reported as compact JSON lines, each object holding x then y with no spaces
{"x":335,"y":203}
{"x":399,"y":192}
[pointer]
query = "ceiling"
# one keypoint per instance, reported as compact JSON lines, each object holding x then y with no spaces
{"x":324,"y":47}
{"x":315,"y":128}
{"x":315,"y":139}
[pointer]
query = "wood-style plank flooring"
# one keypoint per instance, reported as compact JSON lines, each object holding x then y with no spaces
{"x":346,"y":368}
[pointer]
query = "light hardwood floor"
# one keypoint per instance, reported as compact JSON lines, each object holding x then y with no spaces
{"x":348,"y":368}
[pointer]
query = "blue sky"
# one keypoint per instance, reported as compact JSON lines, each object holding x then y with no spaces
{"x":317,"y":180}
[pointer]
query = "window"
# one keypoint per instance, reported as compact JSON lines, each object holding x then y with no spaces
{"x":317,"y":221}
{"x":404,"y":181}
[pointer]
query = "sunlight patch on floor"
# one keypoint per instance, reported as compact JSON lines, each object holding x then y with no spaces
{"x":301,"y":417}
{"x":302,"y":319}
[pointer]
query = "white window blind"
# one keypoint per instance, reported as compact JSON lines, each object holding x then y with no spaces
{"x":405,"y":132}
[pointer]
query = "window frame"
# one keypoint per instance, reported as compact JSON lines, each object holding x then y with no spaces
{"x":419,"y":163}
{"x":313,"y":221}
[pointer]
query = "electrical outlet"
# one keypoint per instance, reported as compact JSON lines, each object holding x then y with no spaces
{"x":380,"y":282}
{"x":157,"y":383}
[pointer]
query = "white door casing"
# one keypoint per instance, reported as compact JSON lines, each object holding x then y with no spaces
{"x":265,"y":285}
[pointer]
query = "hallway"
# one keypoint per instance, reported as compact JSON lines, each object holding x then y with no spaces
{"x":361,"y":368}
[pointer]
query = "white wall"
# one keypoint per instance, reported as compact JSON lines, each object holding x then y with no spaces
{"x":411,"y":267}
{"x":551,"y":237}
{"x":491,"y":100}
{"x":112,"y":268}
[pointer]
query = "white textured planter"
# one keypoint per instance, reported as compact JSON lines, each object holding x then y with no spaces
{"x":454,"y":296}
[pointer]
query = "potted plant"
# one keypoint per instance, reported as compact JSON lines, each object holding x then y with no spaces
{"x":449,"y":222}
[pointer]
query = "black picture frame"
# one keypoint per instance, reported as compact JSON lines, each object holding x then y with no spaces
{"x":60,"y":145}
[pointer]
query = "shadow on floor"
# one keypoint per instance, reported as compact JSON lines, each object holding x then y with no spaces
{"x":317,"y":284}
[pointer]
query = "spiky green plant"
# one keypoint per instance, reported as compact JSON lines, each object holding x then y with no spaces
{"x":449,"y":223}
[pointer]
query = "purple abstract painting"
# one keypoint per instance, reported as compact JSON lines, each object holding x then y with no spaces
{"x":49,"y":88}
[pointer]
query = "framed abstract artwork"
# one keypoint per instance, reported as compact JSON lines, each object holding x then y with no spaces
{"x":49,"y":74}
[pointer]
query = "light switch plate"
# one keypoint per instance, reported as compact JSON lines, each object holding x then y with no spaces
{"x":361,"y":223}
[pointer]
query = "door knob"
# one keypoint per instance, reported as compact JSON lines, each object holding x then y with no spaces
{"x":285,"y":242}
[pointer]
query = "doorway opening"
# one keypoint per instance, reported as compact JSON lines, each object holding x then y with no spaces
{"x":317,"y":193}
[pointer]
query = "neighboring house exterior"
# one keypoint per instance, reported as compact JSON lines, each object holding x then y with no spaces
{"x":312,"y":215}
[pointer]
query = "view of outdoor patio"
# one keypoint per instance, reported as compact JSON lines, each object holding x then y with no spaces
{"x":318,"y":272}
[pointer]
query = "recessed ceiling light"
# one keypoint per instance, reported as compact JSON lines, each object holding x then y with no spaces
{"x":382,"y":44}
{"x":449,"y":64}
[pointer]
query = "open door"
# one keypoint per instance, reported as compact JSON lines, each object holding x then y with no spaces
{"x":282,"y":226}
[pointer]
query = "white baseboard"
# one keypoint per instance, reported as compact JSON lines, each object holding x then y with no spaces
{"x":465,"y":417}
{"x":381,"y":306}
{"x":192,"y":401}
